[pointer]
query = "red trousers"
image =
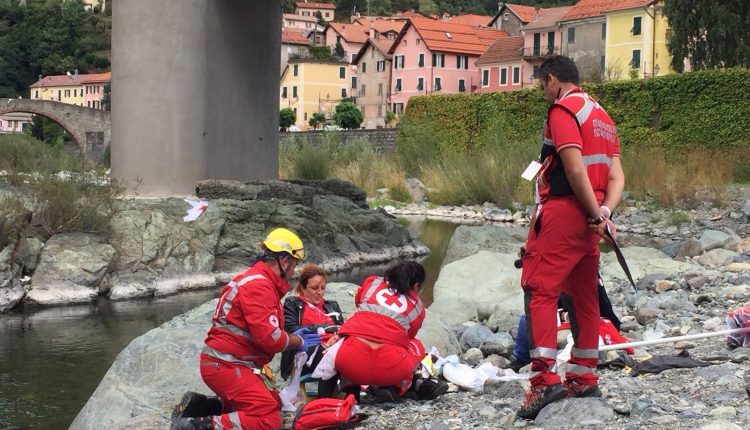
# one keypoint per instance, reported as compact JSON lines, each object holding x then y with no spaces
{"x":248,"y":404}
{"x":387,"y":365}
{"x":562,"y":255}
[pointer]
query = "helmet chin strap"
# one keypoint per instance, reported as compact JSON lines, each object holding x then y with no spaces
{"x":282,"y":273}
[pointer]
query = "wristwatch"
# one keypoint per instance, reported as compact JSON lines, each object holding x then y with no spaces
{"x":600,"y":219}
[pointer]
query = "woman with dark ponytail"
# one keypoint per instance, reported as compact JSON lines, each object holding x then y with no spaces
{"x":379,"y":346}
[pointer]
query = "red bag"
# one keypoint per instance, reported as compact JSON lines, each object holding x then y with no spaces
{"x":328,"y":414}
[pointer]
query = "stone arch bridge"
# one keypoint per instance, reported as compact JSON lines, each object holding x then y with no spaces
{"x":89,"y":128}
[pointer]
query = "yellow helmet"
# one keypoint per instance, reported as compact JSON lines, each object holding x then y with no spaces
{"x":282,"y":240}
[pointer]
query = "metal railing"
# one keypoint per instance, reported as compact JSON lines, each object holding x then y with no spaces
{"x":541,"y":51}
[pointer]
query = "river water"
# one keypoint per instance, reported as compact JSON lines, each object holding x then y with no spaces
{"x":51,"y":360}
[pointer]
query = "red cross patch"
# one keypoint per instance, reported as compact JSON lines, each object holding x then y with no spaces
{"x":393,"y":301}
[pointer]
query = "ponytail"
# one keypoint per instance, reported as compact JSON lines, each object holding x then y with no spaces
{"x":402,"y":276}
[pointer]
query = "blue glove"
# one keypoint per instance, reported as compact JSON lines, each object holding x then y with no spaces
{"x":309,"y":338}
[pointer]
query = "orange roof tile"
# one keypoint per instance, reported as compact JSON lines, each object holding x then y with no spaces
{"x":410,"y":14}
{"x":449,"y":37}
{"x":314,"y":5}
{"x":471,"y":19}
{"x":294,"y":36}
{"x":73,"y":80}
{"x":547,"y":18}
{"x":524,"y":13}
{"x":353,"y":33}
{"x":504,"y":49}
{"x":591,"y":8}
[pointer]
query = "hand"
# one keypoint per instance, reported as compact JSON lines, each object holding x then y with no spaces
{"x":600,"y":230}
{"x":335,"y":338}
{"x":309,"y":338}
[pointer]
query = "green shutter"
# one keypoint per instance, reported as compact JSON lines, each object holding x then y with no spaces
{"x":433,"y":59}
{"x":342,"y":72}
{"x":421,"y":60}
{"x":503,"y":76}
{"x":516,"y":74}
{"x":636,"y":61}
{"x":461,"y":86}
{"x":420,"y":84}
{"x":364,"y":67}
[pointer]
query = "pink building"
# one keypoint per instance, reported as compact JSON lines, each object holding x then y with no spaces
{"x":351,"y":37}
{"x":14,"y":122}
{"x":542,"y":38}
{"x":501,"y":67}
{"x":432,"y":56}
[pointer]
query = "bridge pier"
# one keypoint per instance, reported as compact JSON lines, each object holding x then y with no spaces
{"x":194,"y":92}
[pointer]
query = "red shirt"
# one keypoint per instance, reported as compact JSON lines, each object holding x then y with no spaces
{"x":316,"y":315}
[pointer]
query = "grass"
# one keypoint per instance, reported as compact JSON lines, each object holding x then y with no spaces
{"x":679,"y":218}
{"x":67,"y":193}
{"x":12,"y":219}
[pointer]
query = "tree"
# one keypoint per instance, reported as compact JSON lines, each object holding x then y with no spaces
{"x":317,"y":119}
{"x":320,"y":52}
{"x":338,"y":51}
{"x":348,"y":115}
{"x":287,"y":118}
{"x":709,"y":34}
{"x":321,"y":21}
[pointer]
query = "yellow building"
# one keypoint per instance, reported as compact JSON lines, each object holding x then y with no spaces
{"x":81,"y":90}
{"x":309,"y":86}
{"x":637,"y":34}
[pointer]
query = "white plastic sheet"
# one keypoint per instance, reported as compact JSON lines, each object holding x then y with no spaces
{"x":467,"y":377}
{"x":290,"y":395}
{"x":326,"y":369}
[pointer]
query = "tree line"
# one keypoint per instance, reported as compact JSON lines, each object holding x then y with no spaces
{"x":50,"y":37}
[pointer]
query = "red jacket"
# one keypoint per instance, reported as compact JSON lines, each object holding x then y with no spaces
{"x":248,"y":324}
{"x":383,"y":315}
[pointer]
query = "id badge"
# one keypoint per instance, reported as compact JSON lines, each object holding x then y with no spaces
{"x":531,"y":171}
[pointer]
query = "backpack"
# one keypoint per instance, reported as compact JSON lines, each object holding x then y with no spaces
{"x":328,"y":414}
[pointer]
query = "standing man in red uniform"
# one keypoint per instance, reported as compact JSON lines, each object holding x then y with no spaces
{"x":247,"y":330}
{"x":580,"y":183}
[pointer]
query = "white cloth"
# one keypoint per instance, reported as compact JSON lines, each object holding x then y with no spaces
{"x":290,"y":395}
{"x":326,"y":369}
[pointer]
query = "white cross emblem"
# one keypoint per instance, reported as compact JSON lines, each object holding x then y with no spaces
{"x":393,"y":301}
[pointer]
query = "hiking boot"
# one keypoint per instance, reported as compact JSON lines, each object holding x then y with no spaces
{"x":202,"y":423}
{"x":576,"y":389}
{"x":384,"y":394}
{"x":539,"y":397}
{"x":430,"y":389}
{"x":195,"y":405}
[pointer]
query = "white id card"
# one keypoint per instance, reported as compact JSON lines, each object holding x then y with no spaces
{"x":531,"y":171}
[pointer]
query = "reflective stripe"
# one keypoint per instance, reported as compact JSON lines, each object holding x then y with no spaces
{"x":548,"y":141}
{"x":597,"y":159}
{"x":234,"y":418}
{"x":372,"y":290}
{"x":228,"y":357}
{"x":217,"y":423}
{"x":387,"y":312}
{"x":276,"y":334}
{"x":578,"y":369}
{"x":227,"y":306}
{"x":544,"y":353}
{"x":584,"y":353}
{"x":583,"y":115}
{"x":232,"y":329}
{"x":411,"y":316}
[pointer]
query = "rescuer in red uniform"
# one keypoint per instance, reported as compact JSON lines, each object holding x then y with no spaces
{"x":380,"y":346}
{"x":580,"y":182}
{"x":247,"y":330}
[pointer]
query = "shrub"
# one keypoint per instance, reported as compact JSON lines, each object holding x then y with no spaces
{"x":311,"y":163}
{"x":399,"y":193}
{"x":287,"y":118}
{"x":348,"y":115}
{"x":13,"y":217}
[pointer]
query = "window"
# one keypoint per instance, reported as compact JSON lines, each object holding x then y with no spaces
{"x":516,"y":75}
{"x":36,"y":94}
{"x":636,"y":61}
{"x":462,"y":61}
{"x":283,"y":92}
{"x":398,"y":107}
{"x":602,"y":63}
{"x":364,"y":67}
{"x":461,"y":86}
{"x":537,"y":43}
{"x":343,"y":93}
{"x":380,"y":110}
{"x":342,"y":72}
{"x":572,"y":35}
{"x":305,"y":116}
{"x":380,"y":89}
{"x":420,"y":84}
{"x":305,"y":13}
{"x":504,"y":76}
{"x":438,"y":84}
{"x":398,"y":85}
{"x":485,"y":77}
{"x":362,"y":89}
{"x":550,"y":43}
{"x":399,"y":62}
{"x":295,"y":111}
{"x":438,"y":59}
{"x":421,"y":60}
{"x":535,"y":72}
{"x":294,"y":91}
{"x":418,"y":40}
{"x":295,"y":70}
{"x":328,"y":14}
{"x":381,"y":66}
{"x":604,"y":30}
{"x":354,"y":82}
{"x":636,"y":30}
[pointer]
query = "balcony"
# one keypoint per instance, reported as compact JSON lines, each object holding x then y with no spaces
{"x":539,"y":52}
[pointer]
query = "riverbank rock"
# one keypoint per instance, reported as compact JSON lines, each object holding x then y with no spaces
{"x":70,"y":269}
{"x":11,"y":290}
{"x":468,"y":240}
{"x":483,"y":280}
{"x":642,"y":261}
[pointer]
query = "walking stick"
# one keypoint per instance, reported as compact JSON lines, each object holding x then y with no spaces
{"x":673,"y":339}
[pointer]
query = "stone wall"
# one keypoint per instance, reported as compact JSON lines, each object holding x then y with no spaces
{"x":382,"y":139}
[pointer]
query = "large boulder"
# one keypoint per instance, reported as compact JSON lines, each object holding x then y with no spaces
{"x":468,"y":240}
{"x":642,"y":261}
{"x":70,"y":269}
{"x":149,"y":376}
{"x":481,"y":281}
{"x":11,"y":290}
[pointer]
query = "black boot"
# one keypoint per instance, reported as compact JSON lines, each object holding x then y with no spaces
{"x":202,"y":423}
{"x":195,"y":405}
{"x":383,"y":394}
{"x":428,"y":388}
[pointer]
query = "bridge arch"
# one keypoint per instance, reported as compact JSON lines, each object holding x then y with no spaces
{"x":89,"y":128}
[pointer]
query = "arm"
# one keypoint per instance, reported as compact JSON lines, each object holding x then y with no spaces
{"x":578,"y":179}
{"x":261,"y":312}
{"x":291,"y":314}
{"x":615,"y":186}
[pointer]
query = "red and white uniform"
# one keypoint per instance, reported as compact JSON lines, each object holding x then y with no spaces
{"x":316,"y":315}
{"x":562,"y":252}
{"x":386,"y":317}
{"x":247,"y":331}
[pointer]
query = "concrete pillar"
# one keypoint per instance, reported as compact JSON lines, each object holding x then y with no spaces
{"x":194,"y":92}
